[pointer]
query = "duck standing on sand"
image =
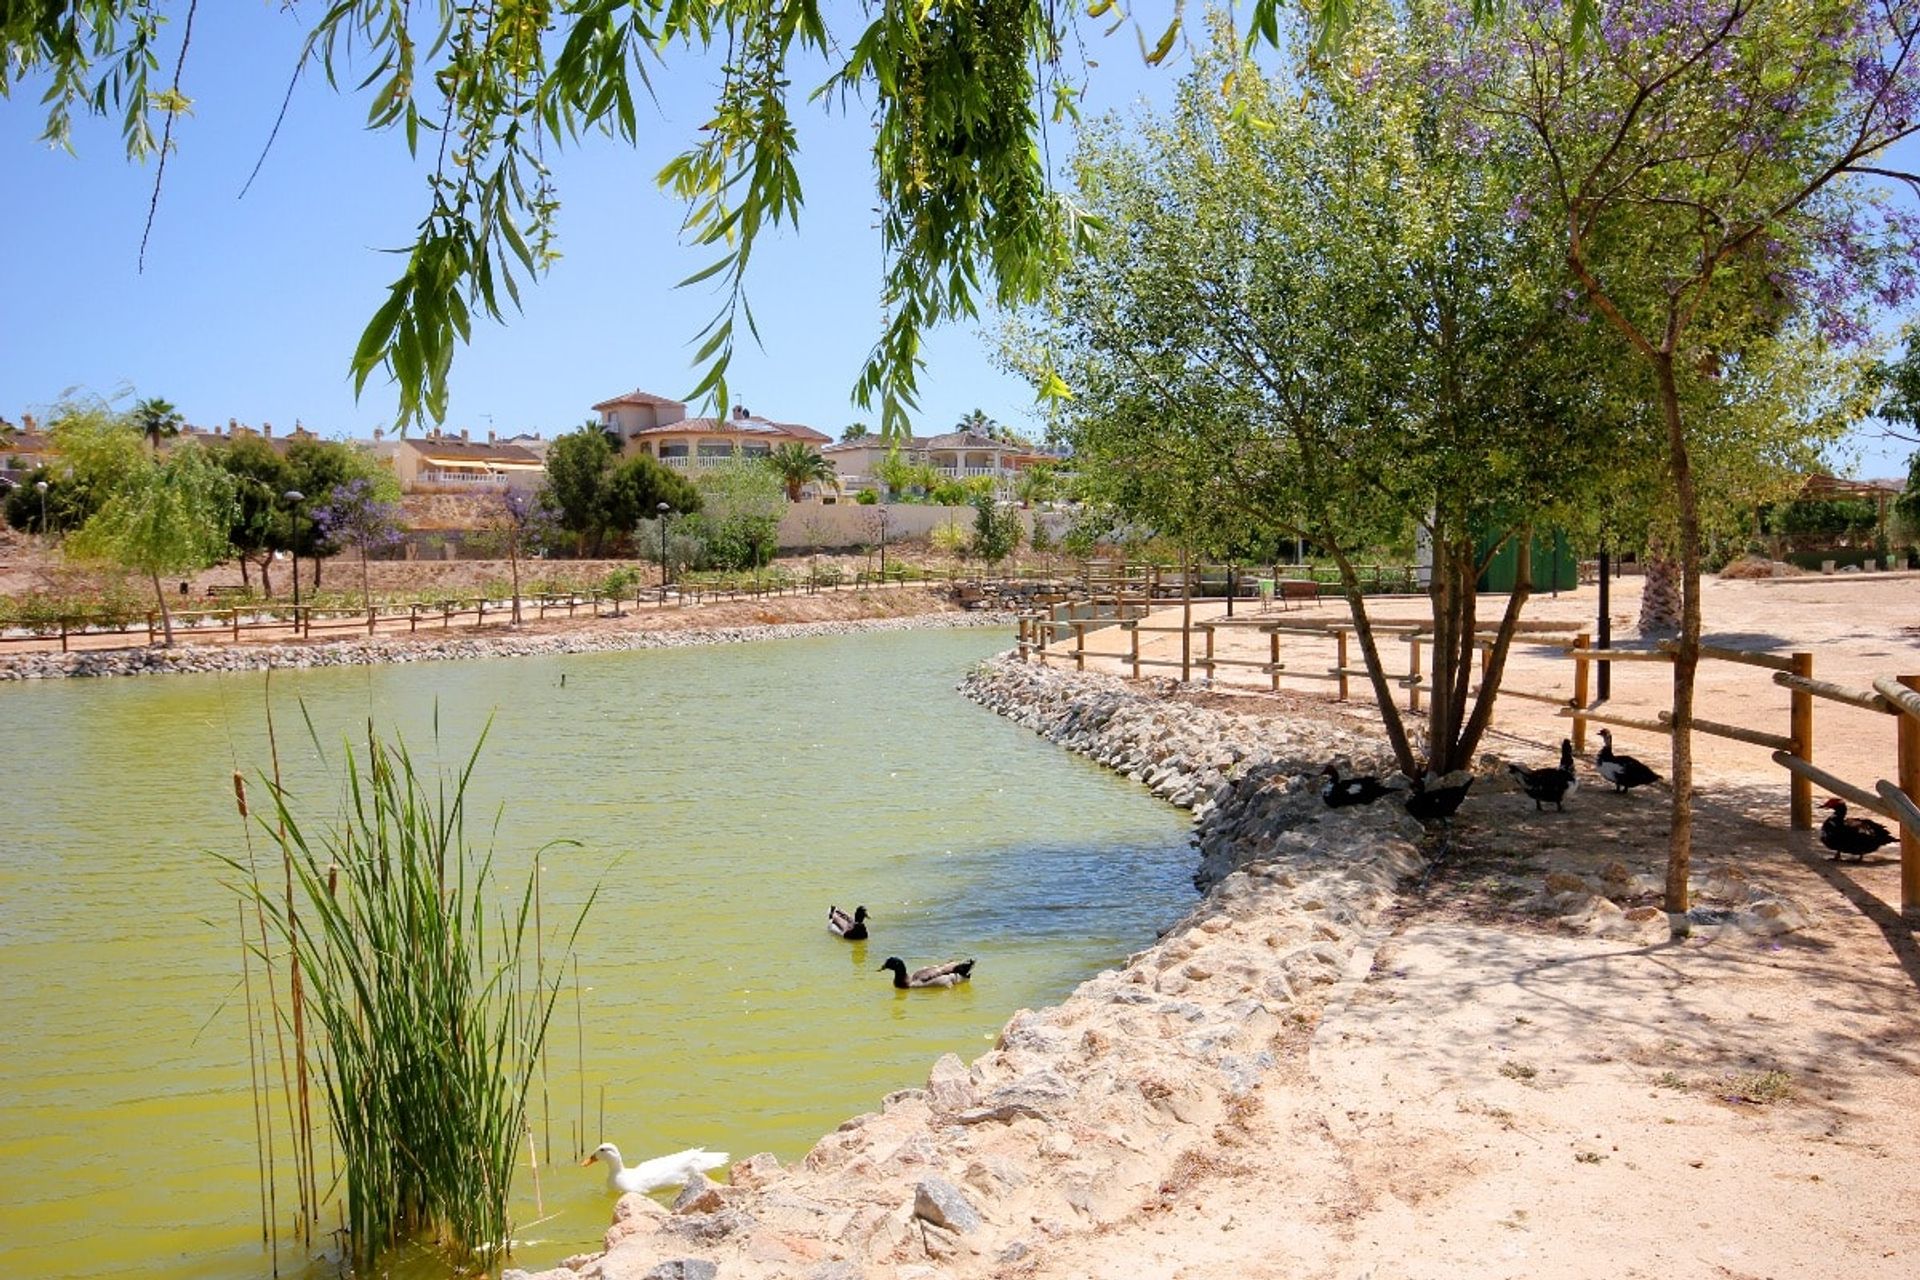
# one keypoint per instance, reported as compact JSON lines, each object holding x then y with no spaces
{"x":1436,"y":804}
{"x":1624,"y":772}
{"x":851,"y":927}
{"x":1857,"y":836}
{"x":1549,"y":786}
{"x":950,"y":974}
{"x":1344,"y":793}
{"x":656,"y":1174}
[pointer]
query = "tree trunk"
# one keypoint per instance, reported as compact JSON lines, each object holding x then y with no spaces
{"x":513,"y":559}
{"x":1662,"y":599}
{"x":246,"y":583}
{"x":166,"y":615}
{"x":1370,"y":653}
{"x":1687,"y":659}
{"x":316,"y":573}
{"x":266,"y":574}
{"x":366,"y":591}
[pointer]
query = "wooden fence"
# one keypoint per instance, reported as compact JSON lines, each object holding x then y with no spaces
{"x":1042,"y":637}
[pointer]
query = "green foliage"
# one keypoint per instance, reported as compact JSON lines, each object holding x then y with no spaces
{"x":855,"y":431}
{"x":262,"y":520}
{"x":635,"y":489}
{"x":996,"y":530}
{"x":430,"y":998}
{"x":157,"y":420}
{"x":866,"y":497}
{"x":739,"y":521}
{"x":951,"y":539}
{"x":798,"y":466}
{"x":320,"y":469}
{"x":950,"y":493}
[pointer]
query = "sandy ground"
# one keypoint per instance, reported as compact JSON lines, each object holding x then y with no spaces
{"x":1491,"y":1097}
{"x":1857,"y":626}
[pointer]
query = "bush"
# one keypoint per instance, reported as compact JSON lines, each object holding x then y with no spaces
{"x":952,"y":540}
{"x":996,"y":530}
{"x":866,"y":497}
{"x":620,"y":582}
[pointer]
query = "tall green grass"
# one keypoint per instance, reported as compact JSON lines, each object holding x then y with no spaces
{"x":422,"y":988}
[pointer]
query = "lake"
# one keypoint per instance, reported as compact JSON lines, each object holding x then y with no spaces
{"x":721,"y":796}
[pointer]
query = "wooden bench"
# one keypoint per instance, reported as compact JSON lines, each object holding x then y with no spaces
{"x":227,"y":591}
{"x":1291,"y":589}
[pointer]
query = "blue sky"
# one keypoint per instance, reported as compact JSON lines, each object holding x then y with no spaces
{"x":249,"y":308}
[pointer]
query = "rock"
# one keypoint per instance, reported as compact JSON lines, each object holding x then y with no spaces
{"x":949,"y":1086}
{"x":837,"y":1270}
{"x":710,"y":1227}
{"x":1559,"y":882}
{"x":701,"y":1195}
{"x":755,"y":1171}
{"x":938,"y":1201}
{"x":994,"y":1176}
{"x":683,"y":1269}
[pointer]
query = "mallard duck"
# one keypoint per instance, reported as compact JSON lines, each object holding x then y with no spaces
{"x":1549,"y":786}
{"x":658,"y":1173}
{"x":1344,"y":793}
{"x":1430,"y":804}
{"x":851,"y":927}
{"x":1624,"y":772}
{"x":1857,"y":836}
{"x":950,"y":974}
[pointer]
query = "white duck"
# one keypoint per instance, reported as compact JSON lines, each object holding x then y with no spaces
{"x":658,"y":1173}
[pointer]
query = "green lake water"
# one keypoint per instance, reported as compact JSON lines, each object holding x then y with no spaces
{"x":722,"y":795}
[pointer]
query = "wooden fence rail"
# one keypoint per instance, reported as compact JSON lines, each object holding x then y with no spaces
{"x":1793,"y":750}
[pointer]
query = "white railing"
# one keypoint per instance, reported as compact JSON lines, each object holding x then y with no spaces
{"x":681,"y":462}
{"x":965,"y":473}
{"x":472,"y":479}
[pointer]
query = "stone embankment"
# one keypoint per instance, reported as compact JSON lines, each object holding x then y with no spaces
{"x":1142,"y":1083}
{"x":188,"y":659}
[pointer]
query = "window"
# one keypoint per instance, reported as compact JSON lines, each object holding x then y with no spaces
{"x":673,"y":449}
{"x":716,"y":449}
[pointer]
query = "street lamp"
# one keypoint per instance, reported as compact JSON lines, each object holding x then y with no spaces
{"x":663,"y":509}
{"x":295,"y":497}
{"x":882,"y":511}
{"x":41,"y":485}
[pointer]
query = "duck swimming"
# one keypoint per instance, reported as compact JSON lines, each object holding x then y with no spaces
{"x":851,"y":927}
{"x":658,"y":1173}
{"x":950,"y":974}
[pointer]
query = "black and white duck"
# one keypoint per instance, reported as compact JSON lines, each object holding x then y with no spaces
{"x":1344,"y":793}
{"x":1624,"y":772}
{"x":1436,"y":804}
{"x":1857,"y":836}
{"x":950,"y":974}
{"x":851,"y":927}
{"x":1549,"y":786}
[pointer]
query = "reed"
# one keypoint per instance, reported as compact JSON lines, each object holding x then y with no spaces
{"x":426,"y":983}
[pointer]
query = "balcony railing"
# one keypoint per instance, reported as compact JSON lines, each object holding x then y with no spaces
{"x":465,"y":479}
{"x":967,"y":473}
{"x":682,"y":462}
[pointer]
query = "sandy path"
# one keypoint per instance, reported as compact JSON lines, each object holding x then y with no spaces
{"x":1495,"y":1098}
{"x":1857,"y":627}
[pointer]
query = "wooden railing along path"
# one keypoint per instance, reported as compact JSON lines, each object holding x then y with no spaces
{"x":1042,"y":637}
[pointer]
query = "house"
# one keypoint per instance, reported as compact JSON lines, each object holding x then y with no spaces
{"x":443,"y":462}
{"x":954,"y":455}
{"x":660,"y":429}
{"x":215,"y":437}
{"x":23,"y":447}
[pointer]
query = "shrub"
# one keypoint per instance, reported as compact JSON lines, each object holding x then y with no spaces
{"x":952,"y":540}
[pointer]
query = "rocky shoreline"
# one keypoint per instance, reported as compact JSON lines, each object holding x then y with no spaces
{"x":201,"y":659}
{"x":1146,"y":1077}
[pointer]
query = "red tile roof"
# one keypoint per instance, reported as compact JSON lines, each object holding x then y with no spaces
{"x":637,"y":396}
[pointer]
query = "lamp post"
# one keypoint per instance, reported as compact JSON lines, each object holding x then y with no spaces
{"x":41,"y":485}
{"x":295,"y":497}
{"x":664,"y":508}
{"x":882,"y":510}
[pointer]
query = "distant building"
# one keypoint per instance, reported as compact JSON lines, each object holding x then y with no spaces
{"x":443,"y":462}
{"x":660,"y":429}
{"x":954,"y":455}
{"x":215,"y":437}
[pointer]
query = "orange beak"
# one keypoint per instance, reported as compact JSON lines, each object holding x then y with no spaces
{"x":590,"y":1159}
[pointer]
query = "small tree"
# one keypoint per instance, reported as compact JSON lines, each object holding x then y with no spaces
{"x":798,"y":466}
{"x":855,"y":431}
{"x":517,"y":523}
{"x":260,"y":526}
{"x":157,"y":419}
{"x":634,"y":490}
{"x":169,"y":518}
{"x":996,"y":530}
{"x":578,"y":465}
{"x":320,"y":467}
{"x":357,"y":515}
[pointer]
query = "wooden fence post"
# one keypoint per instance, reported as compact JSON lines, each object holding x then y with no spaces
{"x":1207,"y":661}
{"x":1910,"y":783}
{"x":1800,"y":729}
{"x":63,"y":635}
{"x":236,"y":626}
{"x":149,"y":628}
{"x":1134,"y":631}
{"x":1273,"y":659}
{"x":413,"y":618}
{"x":1413,"y":673}
{"x":1581,"y":671}
{"x":1340,"y":659}
{"x":1079,"y":645}
{"x":1186,"y":617}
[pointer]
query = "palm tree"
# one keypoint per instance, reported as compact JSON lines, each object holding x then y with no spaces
{"x":979,"y":423}
{"x":154,"y":418}
{"x":855,"y":431}
{"x":797,"y":466}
